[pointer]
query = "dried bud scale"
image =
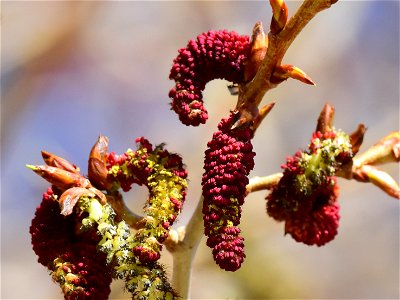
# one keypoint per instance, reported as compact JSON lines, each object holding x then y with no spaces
{"x":306,"y":196}
{"x":213,"y":54}
{"x":228,"y":160}
{"x":59,"y":162}
{"x":97,"y":169}
{"x":59,"y":177}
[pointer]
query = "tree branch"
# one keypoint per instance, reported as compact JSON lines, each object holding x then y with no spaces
{"x":183,"y":243}
{"x":253,"y":92}
{"x":263,"y":183}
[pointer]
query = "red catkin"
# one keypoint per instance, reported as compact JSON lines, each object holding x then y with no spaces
{"x":213,"y":54}
{"x":228,"y":160}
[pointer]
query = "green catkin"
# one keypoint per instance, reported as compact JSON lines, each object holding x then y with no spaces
{"x":142,"y":281}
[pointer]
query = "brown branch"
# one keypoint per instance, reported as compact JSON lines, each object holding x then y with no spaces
{"x":251,"y":94}
{"x":263,"y":183}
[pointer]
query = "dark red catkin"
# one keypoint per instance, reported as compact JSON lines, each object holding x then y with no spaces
{"x":72,"y":258}
{"x":213,"y":54}
{"x":228,"y":160}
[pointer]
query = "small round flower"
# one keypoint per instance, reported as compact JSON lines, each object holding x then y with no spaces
{"x":213,"y":54}
{"x":306,"y":196}
{"x":228,"y":160}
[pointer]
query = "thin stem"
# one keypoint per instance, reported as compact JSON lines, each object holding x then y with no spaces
{"x":263,"y":183}
{"x":183,"y":248}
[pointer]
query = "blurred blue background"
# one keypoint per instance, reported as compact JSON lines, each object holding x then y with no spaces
{"x":71,"y":70}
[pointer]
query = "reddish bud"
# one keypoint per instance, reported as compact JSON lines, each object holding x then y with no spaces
{"x":283,"y":72}
{"x":59,"y":162}
{"x":279,"y":17}
{"x":59,"y":177}
{"x":325,"y":119}
{"x":258,"y":48}
{"x":97,"y":170}
{"x":357,"y":137}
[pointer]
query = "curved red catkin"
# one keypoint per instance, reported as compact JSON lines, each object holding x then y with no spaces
{"x":213,"y":54}
{"x":228,"y":160}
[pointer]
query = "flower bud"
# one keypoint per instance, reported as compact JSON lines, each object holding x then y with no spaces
{"x":59,"y":162}
{"x":258,"y":49}
{"x":357,"y":137}
{"x":283,"y":72}
{"x":325,"y":119}
{"x":70,"y":197}
{"x":59,"y":177}
{"x":97,"y":170}
{"x":279,"y":15}
{"x":385,"y":151}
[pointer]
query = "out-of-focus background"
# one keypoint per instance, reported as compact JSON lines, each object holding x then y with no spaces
{"x":72,"y":70}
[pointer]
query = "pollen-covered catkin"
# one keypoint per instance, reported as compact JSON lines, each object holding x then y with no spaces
{"x":164,"y":175}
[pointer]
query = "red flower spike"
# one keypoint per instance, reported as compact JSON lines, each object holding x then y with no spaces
{"x":214,"y":54}
{"x":228,"y":161}
{"x":50,"y":231}
{"x":306,"y":196}
{"x":72,"y":258}
{"x":320,"y":225}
